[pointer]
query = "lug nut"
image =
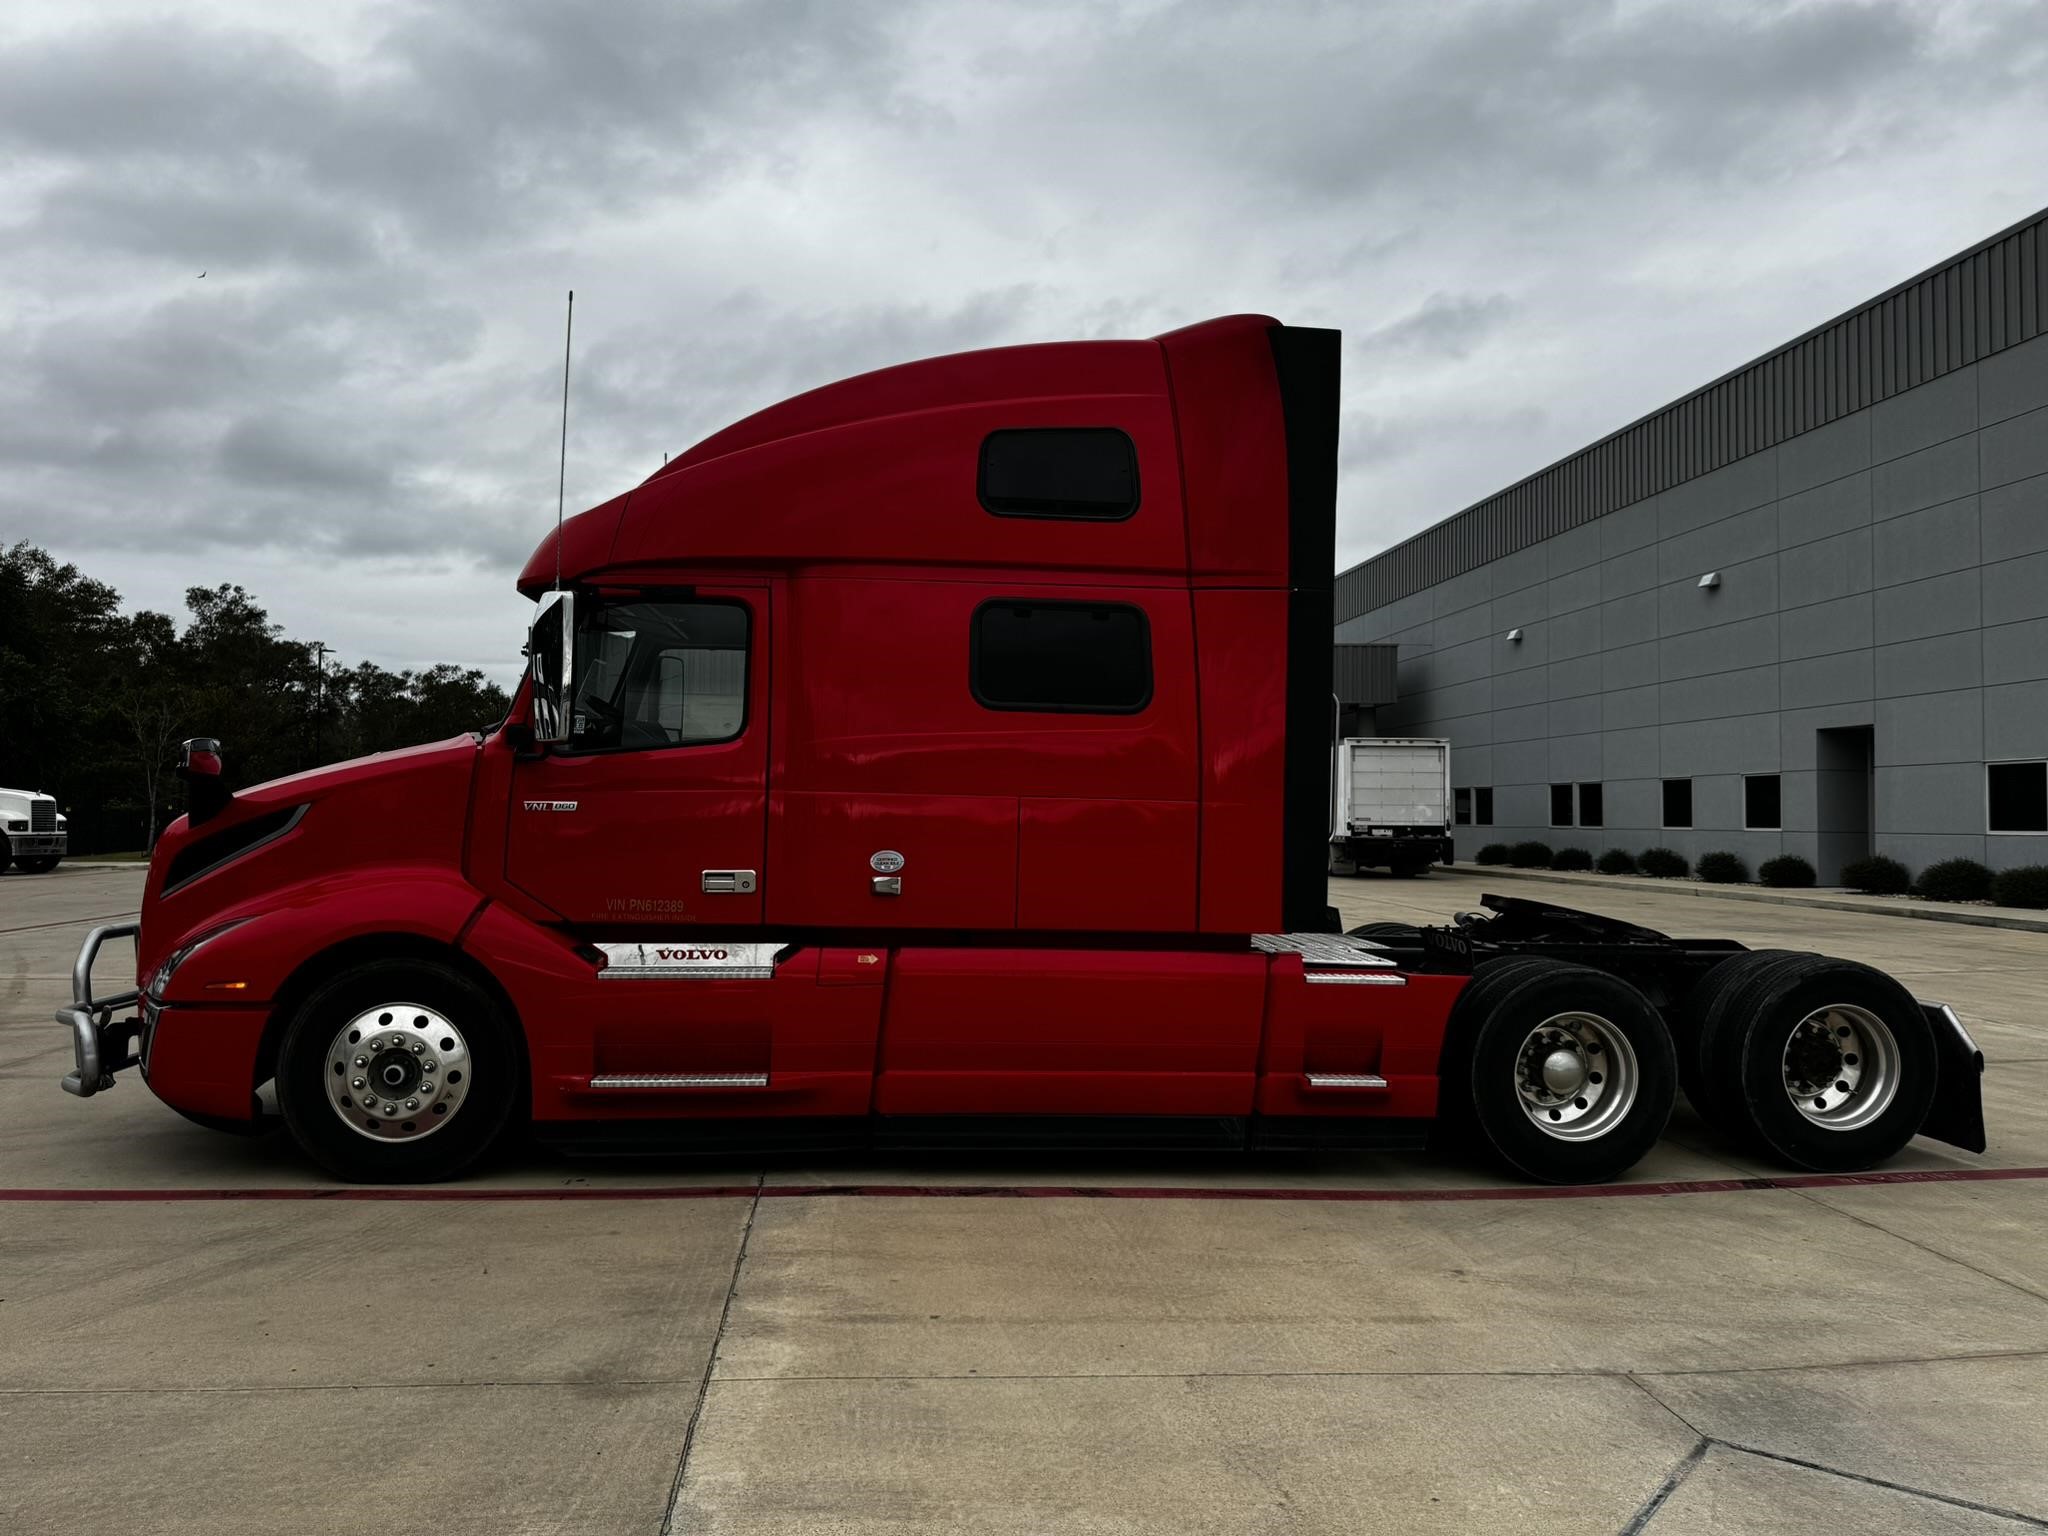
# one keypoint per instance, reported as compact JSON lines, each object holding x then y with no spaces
{"x":412,"y":1103}
{"x":362,"y":1061}
{"x":427,"y":1065}
{"x":390,"y":1109}
{"x":418,"y":1050}
{"x":355,"y":1082}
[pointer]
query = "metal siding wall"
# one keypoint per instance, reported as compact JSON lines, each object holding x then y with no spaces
{"x":1982,"y":302}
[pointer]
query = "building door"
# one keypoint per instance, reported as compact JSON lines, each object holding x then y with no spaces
{"x":1844,"y":797}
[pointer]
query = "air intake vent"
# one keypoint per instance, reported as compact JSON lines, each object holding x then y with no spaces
{"x":217,"y":848}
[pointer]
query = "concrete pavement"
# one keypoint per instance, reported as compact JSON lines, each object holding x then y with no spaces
{"x":1874,"y":1357}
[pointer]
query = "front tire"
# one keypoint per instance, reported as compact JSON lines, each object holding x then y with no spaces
{"x":1568,"y":1073}
{"x":399,"y":1071}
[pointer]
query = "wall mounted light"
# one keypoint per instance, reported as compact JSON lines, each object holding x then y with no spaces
{"x":1515,"y":635}
{"x":1710,"y":581}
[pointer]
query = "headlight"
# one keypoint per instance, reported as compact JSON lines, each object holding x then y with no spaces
{"x":184,"y":952}
{"x":17,"y":826}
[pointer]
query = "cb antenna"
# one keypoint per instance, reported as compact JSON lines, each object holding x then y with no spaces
{"x":562,"y":467}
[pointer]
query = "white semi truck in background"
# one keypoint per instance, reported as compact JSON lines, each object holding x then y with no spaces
{"x":1393,"y":804}
{"x":33,"y":835}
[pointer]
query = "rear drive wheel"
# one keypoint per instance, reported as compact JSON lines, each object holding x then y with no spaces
{"x":1701,"y":1012}
{"x":1569,"y":1073}
{"x":398,"y":1071}
{"x":1827,"y":1064}
{"x":39,"y":866}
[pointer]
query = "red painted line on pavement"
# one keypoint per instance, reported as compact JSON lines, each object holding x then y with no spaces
{"x":1787,"y":1181}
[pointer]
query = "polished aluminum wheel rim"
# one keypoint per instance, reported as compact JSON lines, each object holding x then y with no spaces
{"x":1841,"y":1067}
{"x":397,"y":1072}
{"x":1576,"y":1076}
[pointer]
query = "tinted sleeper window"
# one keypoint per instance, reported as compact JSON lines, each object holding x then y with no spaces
{"x":1069,"y":658}
{"x":1090,"y":473}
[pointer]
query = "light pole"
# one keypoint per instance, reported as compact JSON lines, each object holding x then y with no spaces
{"x":320,"y":649}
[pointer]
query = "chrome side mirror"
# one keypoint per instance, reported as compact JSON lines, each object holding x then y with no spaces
{"x":550,"y":659}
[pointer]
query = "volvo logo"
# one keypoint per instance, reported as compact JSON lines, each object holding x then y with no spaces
{"x":673,"y":955}
{"x":885,"y":862}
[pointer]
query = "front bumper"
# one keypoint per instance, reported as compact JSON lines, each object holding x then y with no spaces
{"x":106,"y":1036}
{"x":36,"y":845}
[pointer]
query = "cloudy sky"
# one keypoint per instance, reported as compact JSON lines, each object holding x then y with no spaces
{"x":1534,"y":222}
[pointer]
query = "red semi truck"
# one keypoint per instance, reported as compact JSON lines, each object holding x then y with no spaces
{"x":944,"y":754}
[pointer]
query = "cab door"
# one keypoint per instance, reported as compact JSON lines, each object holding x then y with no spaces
{"x":653,"y":813}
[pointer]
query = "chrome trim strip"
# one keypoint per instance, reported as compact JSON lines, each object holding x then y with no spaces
{"x":1355,"y":979}
{"x":684,"y":959}
{"x":681,"y":1080}
{"x":1345,"y":1080}
{"x":1321,"y":949}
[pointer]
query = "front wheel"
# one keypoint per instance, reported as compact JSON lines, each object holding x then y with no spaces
{"x":398,"y":1071}
{"x":1569,"y":1074}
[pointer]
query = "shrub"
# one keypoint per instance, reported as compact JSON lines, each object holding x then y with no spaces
{"x":1530,"y":855}
{"x":1571,"y":858}
{"x":1723,"y":869}
{"x":1787,"y":869}
{"x":1955,"y":880}
{"x":1877,"y":876}
{"x":1617,"y":861}
{"x":1664,"y":863}
{"x":2026,"y":886}
{"x":1492,"y":853}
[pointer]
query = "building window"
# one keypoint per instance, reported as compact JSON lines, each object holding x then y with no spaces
{"x":1482,"y":806}
{"x":1592,"y":806}
{"x":1087,"y":473}
{"x":2016,"y":797}
{"x":1560,"y":805}
{"x":1760,"y":803}
{"x":1061,"y":658}
{"x":1461,"y":807}
{"x":1678,"y":802}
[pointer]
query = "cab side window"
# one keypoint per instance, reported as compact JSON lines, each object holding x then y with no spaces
{"x":659,"y":673}
{"x":1061,"y":658}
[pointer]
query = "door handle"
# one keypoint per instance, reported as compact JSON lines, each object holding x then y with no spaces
{"x":728,"y":882}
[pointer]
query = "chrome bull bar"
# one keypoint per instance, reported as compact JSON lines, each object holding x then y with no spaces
{"x":101,"y":1043}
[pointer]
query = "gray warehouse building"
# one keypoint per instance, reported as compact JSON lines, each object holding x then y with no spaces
{"x":1802,"y":610}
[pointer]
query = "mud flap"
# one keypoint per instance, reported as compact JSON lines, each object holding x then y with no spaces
{"x":1957,"y":1114}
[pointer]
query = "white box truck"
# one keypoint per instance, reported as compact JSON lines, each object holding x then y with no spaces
{"x":33,"y":835}
{"x":1393,"y":804}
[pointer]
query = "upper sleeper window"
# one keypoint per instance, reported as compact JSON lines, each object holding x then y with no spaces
{"x":1088,"y":473}
{"x":1061,"y":658}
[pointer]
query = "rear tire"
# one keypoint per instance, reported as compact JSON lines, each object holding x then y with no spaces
{"x":1567,"y":1074}
{"x":1825,"y":1064}
{"x":1701,"y":1013}
{"x":422,"y":1036}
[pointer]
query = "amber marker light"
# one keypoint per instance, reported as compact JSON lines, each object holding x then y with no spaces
{"x":227,"y":986}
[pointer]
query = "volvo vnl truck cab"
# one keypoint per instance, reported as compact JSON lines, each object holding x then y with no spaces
{"x":942,"y":754}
